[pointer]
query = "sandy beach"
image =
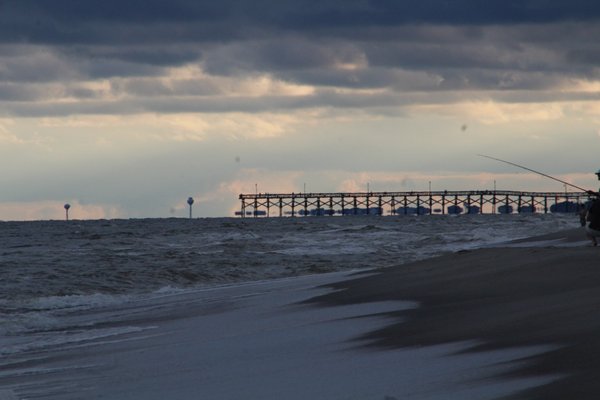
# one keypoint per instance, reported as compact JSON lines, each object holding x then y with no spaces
{"x":501,"y":298}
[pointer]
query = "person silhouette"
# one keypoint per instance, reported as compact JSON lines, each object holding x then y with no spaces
{"x":592,"y":227}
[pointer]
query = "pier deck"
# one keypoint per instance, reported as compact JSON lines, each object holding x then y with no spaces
{"x":411,"y":202}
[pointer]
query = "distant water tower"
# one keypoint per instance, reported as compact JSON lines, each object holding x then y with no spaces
{"x":67,"y":206}
{"x":190,"y":201}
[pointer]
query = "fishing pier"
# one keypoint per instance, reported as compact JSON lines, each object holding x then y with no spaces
{"x":409,"y":203}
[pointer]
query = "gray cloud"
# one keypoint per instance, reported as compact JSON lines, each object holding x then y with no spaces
{"x":430,"y":51}
{"x":377,"y":103}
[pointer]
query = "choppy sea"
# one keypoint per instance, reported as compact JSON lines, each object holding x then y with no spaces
{"x":52,"y":270}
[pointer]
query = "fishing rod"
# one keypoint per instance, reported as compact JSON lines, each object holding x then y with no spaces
{"x":539,"y":173}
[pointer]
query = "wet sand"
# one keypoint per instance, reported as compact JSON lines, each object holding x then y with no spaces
{"x":540,"y":291}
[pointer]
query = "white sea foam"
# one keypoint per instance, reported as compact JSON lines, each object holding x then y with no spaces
{"x":65,"y":339}
{"x":8,"y":395}
{"x":79,"y":302}
{"x":258,"y":341}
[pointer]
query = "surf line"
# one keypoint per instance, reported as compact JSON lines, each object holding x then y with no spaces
{"x":539,"y":173}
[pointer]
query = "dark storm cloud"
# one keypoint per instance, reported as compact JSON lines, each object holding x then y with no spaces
{"x":154,"y":88}
{"x":288,"y":53}
{"x":73,"y":21}
{"x":154,"y":54}
{"x":402,"y":50}
{"x":12,"y":92}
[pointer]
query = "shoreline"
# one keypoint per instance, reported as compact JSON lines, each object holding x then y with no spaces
{"x":525,"y":293}
{"x":502,"y":322}
{"x":256,"y":341}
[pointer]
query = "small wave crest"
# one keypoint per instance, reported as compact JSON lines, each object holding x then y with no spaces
{"x":73,"y":338}
{"x":45,"y":313}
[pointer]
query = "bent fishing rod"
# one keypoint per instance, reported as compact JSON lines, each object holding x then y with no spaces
{"x":539,"y":173}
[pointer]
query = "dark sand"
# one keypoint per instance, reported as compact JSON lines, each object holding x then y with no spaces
{"x":501,"y":297}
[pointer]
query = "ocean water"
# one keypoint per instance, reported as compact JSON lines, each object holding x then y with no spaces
{"x":54,"y":271}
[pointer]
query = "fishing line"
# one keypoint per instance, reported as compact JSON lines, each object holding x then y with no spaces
{"x":537,"y":172}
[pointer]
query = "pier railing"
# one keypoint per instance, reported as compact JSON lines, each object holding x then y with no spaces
{"x":407,"y":203}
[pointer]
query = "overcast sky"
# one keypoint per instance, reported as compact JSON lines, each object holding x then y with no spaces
{"x":124,"y":109}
